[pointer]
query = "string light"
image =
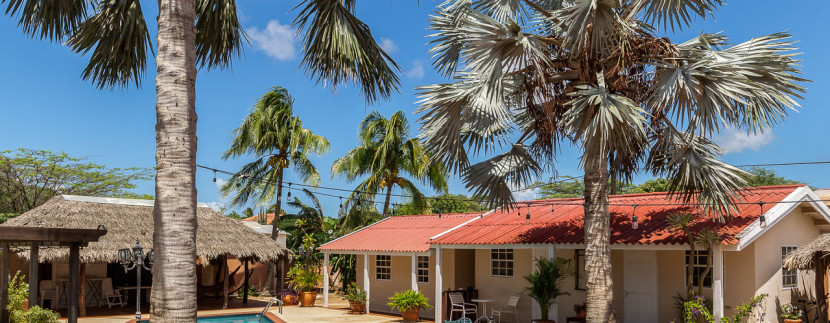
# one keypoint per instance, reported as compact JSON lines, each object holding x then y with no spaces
{"x":214,"y":176}
{"x":762,"y":220}
{"x":289,"y":190}
{"x":634,"y":224}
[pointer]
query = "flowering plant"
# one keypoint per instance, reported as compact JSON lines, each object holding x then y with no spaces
{"x":580,"y":307}
{"x":790,"y":312}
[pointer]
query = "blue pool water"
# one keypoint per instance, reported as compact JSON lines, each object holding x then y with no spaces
{"x":235,"y":318}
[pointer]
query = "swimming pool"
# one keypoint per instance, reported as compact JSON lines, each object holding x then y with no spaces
{"x":233,"y":318}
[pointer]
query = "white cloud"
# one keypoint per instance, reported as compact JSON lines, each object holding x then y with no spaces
{"x":735,"y":141}
{"x":219,"y":183}
{"x":276,"y":40}
{"x":216,"y":205}
{"x":388,"y":45}
{"x":417,"y":70}
{"x":524,"y":195}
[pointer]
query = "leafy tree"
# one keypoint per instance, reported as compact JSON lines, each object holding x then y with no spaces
{"x":234,"y":215}
{"x":764,"y":176}
{"x":308,"y":220}
{"x":277,"y":140}
{"x":654,"y":185}
{"x":385,"y":155}
{"x":29,"y":178}
{"x":597,"y":75}
{"x":446,"y":203}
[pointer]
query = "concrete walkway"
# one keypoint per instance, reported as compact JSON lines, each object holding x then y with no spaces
{"x":296,"y":314}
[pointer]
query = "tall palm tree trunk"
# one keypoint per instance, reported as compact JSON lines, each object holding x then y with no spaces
{"x":597,"y":238}
{"x":275,"y":233}
{"x":388,"y":198}
{"x":173,"y":297}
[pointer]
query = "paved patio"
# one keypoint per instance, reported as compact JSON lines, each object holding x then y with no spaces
{"x":336,"y":313}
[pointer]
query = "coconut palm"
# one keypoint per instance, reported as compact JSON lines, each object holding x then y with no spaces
{"x":386,"y":153}
{"x":191,"y":34}
{"x":277,"y":139}
{"x":595,"y":74}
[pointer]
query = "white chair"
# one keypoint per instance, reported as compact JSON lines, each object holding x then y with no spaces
{"x":509,"y":309}
{"x":48,"y":290}
{"x":458,"y":305}
{"x":113,"y":295}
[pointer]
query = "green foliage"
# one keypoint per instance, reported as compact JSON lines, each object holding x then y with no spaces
{"x":30,"y":177}
{"x":304,"y":277}
{"x":408,"y":299}
{"x":764,"y":176}
{"x":234,"y":215}
{"x":447,"y":203}
{"x":546,"y":281}
{"x":18,"y":295}
{"x":252,"y":291}
{"x":654,"y":185}
{"x":697,"y":309}
{"x":355,"y":294}
{"x":6,"y":216}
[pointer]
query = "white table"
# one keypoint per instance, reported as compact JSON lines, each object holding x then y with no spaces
{"x":483,"y":302}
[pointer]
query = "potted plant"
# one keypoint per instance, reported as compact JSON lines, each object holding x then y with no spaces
{"x":305,"y":278}
{"x":545,"y":283}
{"x":357,"y":298}
{"x":409,"y":303}
{"x":790,"y":313}
{"x":581,"y":309}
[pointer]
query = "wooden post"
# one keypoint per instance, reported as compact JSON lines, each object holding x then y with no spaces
{"x":74,"y":272}
{"x":821,"y":300}
{"x":33,"y":275}
{"x":226,"y":273}
{"x":245,"y":287}
{"x":4,"y":284}
{"x":82,"y":290}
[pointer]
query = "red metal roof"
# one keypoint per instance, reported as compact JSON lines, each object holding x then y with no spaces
{"x":408,"y":233}
{"x":268,"y":218}
{"x":562,"y":224}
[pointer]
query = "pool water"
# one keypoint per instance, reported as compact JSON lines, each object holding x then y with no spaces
{"x":233,"y":318}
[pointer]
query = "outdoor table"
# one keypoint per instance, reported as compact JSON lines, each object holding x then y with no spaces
{"x":93,"y":295}
{"x":483,"y":302}
{"x":131,"y":290}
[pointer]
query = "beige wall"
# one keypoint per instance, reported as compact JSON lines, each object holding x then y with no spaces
{"x":500,"y":288}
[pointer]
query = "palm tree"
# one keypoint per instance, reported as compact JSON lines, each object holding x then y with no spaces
{"x":276,"y":137}
{"x":191,"y":34}
{"x":594,"y":73}
{"x":386,"y":153}
{"x":309,"y":219}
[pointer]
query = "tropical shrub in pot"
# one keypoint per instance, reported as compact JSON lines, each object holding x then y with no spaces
{"x":409,"y":303}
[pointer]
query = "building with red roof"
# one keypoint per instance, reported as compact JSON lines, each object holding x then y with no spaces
{"x":490,"y":253}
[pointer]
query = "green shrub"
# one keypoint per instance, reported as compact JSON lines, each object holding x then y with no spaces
{"x":305,"y":278}
{"x":355,"y":294}
{"x":18,"y":295}
{"x":696,"y":310}
{"x":252,"y":291}
{"x":408,"y":299}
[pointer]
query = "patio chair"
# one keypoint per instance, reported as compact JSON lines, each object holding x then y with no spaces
{"x":48,"y":290}
{"x":113,"y":295}
{"x":461,"y":320}
{"x":458,"y":305}
{"x":509,"y":309}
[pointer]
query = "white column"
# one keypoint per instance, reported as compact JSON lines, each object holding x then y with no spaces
{"x":366,"y":285}
{"x":414,"y":277}
{"x":439,"y":287}
{"x":717,"y":283}
{"x":326,"y":279}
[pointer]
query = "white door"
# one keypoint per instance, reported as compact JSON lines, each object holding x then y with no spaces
{"x":640,"y":283}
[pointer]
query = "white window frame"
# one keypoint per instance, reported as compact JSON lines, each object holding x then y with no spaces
{"x":794,"y":271}
{"x":385,"y":263}
{"x":422,"y":269}
{"x":508,"y":262}
{"x":703,"y":265}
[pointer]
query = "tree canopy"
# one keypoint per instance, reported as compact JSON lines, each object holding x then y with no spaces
{"x":30,"y":177}
{"x":446,"y":203}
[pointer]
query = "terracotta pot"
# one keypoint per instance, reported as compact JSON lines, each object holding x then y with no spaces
{"x":357,"y":307}
{"x":791,"y":321}
{"x":289,"y":299}
{"x":411,"y":315}
{"x":581,"y":313}
{"x":307,"y":298}
{"x":26,"y":304}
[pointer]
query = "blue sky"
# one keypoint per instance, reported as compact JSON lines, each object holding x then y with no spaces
{"x":47,"y":106}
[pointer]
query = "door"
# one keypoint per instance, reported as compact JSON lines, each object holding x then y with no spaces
{"x":640,"y":284}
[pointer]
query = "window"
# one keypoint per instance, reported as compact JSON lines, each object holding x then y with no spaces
{"x":383,"y":267}
{"x":501,"y":262}
{"x":789,"y":277}
{"x":581,"y":278}
{"x":423,"y":269}
{"x":699,"y":265}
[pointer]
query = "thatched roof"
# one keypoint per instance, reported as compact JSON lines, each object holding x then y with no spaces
{"x":128,"y":219}
{"x":803,"y":257}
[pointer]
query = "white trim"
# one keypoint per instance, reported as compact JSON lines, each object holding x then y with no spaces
{"x":376,"y":269}
{"x":325,"y":280}
{"x":414,"y":274}
{"x":512,"y":262}
{"x":778,"y":212}
{"x":366,"y":281}
{"x":351,"y":233}
{"x":574,"y":246}
{"x":375,"y":253}
{"x":717,"y":284}
{"x":460,"y":225}
{"x":797,"y":276}
{"x":439,"y":286}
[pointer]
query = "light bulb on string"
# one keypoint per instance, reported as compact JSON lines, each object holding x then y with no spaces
{"x":527,"y":217}
{"x":634,"y":223}
{"x":762,"y":220}
{"x":214,"y":176}
{"x":289,"y":190}
{"x":341,"y":202}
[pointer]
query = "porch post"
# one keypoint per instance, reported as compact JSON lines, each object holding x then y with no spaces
{"x":439,"y":287}
{"x":366,"y":285}
{"x":4,"y":284}
{"x":33,"y":275}
{"x":74,"y":273}
{"x":821,"y":301}
{"x":326,"y":279}
{"x":245,"y":284}
{"x":414,"y":275}
{"x":717,"y":283}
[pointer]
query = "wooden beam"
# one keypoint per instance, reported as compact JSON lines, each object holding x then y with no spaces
{"x":226,"y":273}
{"x":33,"y":275}
{"x":245,"y":285}
{"x":82,"y":290}
{"x":74,"y":272}
{"x":4,"y":284}
{"x":821,"y":301}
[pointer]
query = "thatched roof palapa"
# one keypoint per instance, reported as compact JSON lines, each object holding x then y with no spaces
{"x":804,"y":257}
{"x":127,"y":220}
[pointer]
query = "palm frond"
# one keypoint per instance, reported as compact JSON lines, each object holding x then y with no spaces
{"x":494,"y":177}
{"x":501,"y":10}
{"x":591,"y":24}
{"x":338,"y":47}
{"x":219,"y":35}
{"x":47,"y":19}
{"x":612,"y":121}
{"x":304,"y":169}
{"x":418,"y":200}
{"x":674,"y":13}
{"x":118,"y":38}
